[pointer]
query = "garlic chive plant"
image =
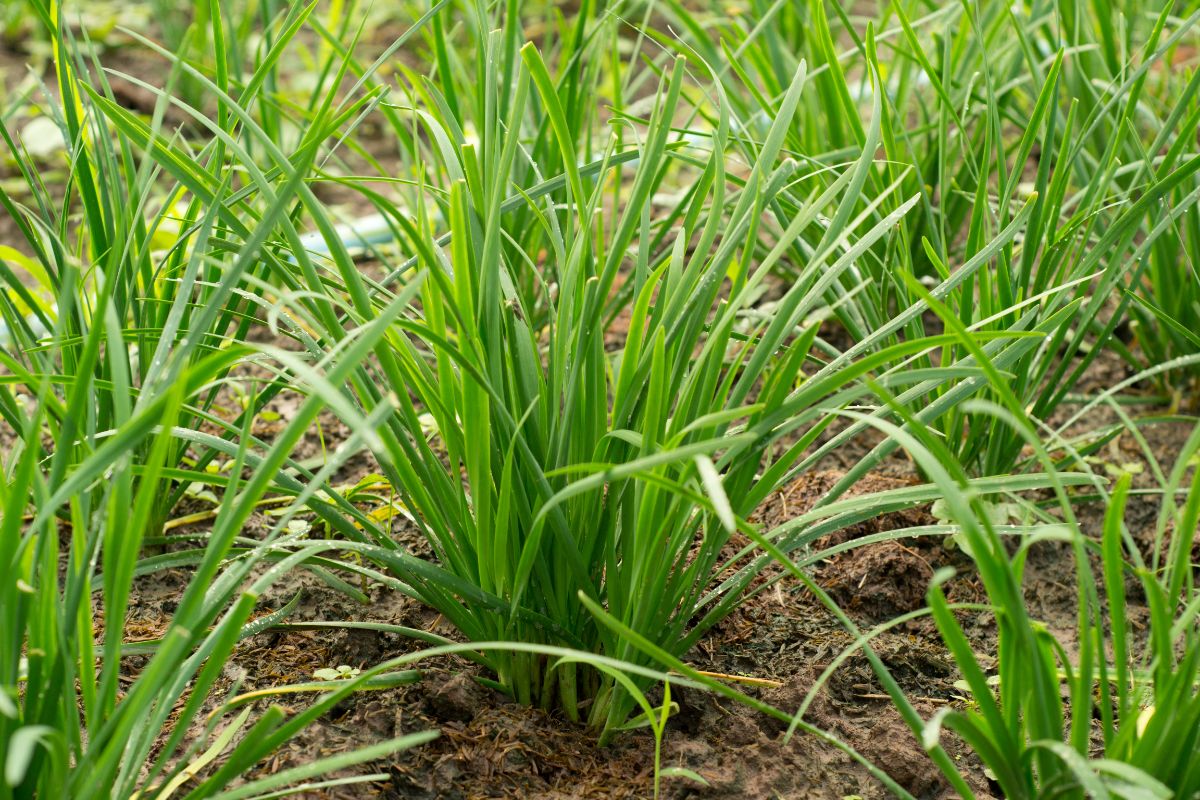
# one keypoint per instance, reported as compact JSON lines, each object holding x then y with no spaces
{"x":156,"y":265}
{"x":1120,"y":715}
{"x":1024,"y":126}
{"x":586,"y":469}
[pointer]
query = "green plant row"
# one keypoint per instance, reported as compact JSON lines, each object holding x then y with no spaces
{"x":645,"y":264}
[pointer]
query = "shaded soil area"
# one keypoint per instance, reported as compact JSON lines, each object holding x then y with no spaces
{"x":492,"y":747}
